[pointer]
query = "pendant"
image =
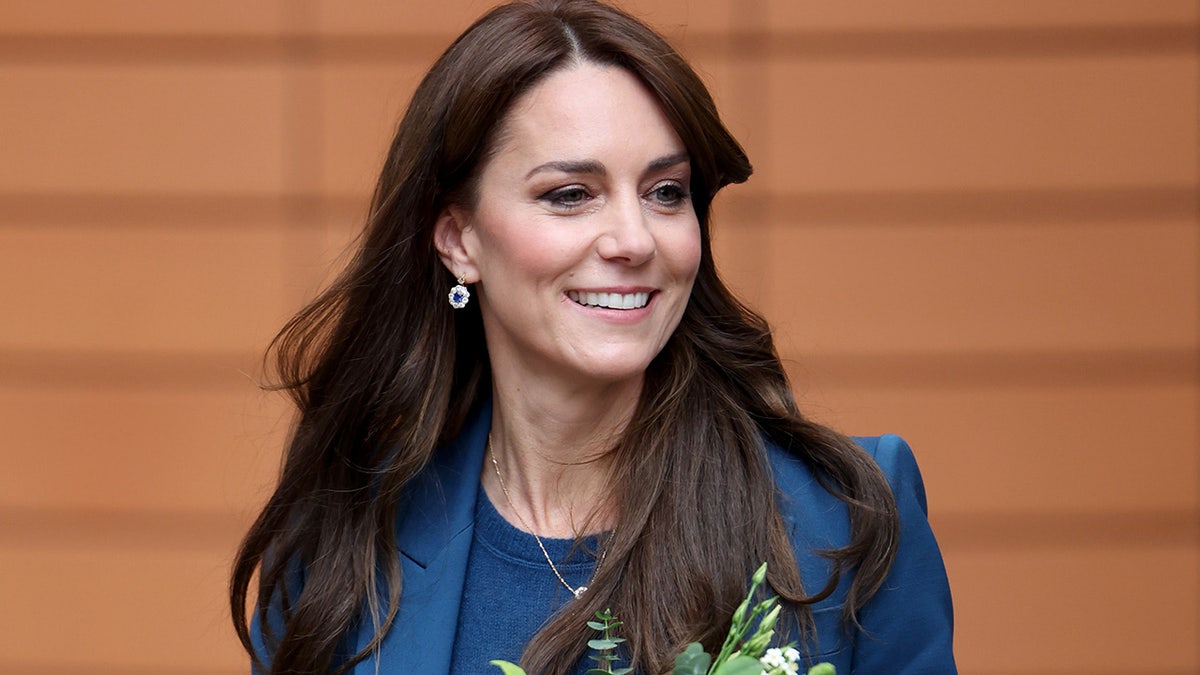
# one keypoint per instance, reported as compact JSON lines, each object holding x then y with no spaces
{"x":579,"y":592}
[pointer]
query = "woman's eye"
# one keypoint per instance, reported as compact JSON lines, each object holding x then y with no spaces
{"x":669,"y":194}
{"x":568,"y":197}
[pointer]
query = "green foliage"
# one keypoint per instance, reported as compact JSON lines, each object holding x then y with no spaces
{"x":741,"y":653}
{"x":692,"y":661}
{"x":508,"y":668}
{"x":740,"y":665}
{"x":606,"y":645}
{"x":744,"y":617}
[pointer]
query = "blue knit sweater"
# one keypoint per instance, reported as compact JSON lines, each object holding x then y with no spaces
{"x":510,"y":591}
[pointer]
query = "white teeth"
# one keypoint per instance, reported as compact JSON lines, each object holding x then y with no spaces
{"x":610,"y":300}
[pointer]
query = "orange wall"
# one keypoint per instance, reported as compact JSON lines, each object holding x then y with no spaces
{"x":974,"y":224}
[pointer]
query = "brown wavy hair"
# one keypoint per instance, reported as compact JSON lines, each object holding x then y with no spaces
{"x":383,"y":372}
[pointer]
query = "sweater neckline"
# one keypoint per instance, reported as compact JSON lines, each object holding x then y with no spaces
{"x":506,"y":540}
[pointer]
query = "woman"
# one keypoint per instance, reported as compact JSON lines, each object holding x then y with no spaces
{"x":592,"y":421}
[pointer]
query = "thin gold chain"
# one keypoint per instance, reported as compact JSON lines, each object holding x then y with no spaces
{"x":577,"y":592}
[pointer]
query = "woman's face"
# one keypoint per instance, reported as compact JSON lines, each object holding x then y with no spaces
{"x":583,"y":242}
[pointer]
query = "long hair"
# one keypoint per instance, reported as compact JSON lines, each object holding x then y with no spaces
{"x":383,"y":372}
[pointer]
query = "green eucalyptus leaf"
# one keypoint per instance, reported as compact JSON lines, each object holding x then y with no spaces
{"x":740,"y":665}
{"x":692,"y":661}
{"x":621,"y":671}
{"x":602,"y":644}
{"x":508,"y":668}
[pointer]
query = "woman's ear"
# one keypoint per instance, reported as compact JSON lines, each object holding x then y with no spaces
{"x":449,"y":237}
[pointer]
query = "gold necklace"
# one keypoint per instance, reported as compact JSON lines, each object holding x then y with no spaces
{"x":577,"y":592}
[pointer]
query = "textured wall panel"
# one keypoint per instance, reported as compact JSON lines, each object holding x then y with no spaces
{"x":125,"y":448}
{"x":1086,"y":610}
{"x":360,"y":108}
{"x":432,"y":17}
{"x":949,"y":14}
{"x":141,"y":17}
{"x":142,"y":128}
{"x":1029,"y":449}
{"x":945,"y":288}
{"x":143,"y":288}
{"x":1012,"y":123}
{"x":116,"y":610}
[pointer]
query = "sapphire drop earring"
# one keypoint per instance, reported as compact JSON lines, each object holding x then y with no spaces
{"x":459,"y":295}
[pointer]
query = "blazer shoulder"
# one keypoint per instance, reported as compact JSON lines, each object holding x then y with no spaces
{"x":899,"y":465}
{"x":891,"y":453}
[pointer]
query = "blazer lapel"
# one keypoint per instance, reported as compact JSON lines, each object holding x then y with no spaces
{"x":434,"y":531}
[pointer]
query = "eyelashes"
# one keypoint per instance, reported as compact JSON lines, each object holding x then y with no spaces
{"x":666,"y":195}
{"x":670,"y":193}
{"x":570,"y":198}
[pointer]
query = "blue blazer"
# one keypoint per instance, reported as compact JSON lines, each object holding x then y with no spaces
{"x":908,"y":622}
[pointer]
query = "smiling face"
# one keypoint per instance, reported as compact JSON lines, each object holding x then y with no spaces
{"x":582,"y":243}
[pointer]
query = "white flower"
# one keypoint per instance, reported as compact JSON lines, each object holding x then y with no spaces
{"x":780,"y":662}
{"x":773,"y":658}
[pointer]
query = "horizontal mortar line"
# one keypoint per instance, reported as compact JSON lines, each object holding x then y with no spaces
{"x":158,"y":529}
{"x":1040,"y":41}
{"x":1119,"y":203}
{"x":165,"y":210}
{"x":1027,"y":367}
{"x":130,"y":369}
{"x":156,"y":50}
{"x":967,"y":206}
{"x":112,"y":528}
{"x":51,"y":666}
{"x":47,"y":367}
{"x":1067,"y":530}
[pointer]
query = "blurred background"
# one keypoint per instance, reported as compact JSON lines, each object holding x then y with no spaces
{"x":973,"y":224}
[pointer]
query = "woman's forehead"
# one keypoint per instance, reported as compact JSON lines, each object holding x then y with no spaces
{"x":587,"y":112}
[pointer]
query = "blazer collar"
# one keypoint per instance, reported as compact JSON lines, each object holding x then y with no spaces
{"x":435,"y":527}
{"x":441,"y":502}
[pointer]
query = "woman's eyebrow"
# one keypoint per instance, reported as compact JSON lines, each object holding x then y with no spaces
{"x":595,"y":168}
{"x":668,"y":161}
{"x":588,"y":166}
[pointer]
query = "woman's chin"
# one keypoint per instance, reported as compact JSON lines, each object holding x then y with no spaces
{"x":611,"y":369}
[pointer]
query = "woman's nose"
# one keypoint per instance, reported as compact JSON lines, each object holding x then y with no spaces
{"x":627,"y":237}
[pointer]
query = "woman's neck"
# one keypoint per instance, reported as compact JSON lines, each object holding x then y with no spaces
{"x":550,"y":448}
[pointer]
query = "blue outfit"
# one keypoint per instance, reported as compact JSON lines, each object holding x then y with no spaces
{"x":908,"y":622}
{"x":509,"y":592}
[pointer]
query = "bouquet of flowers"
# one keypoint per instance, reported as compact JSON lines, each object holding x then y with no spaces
{"x":743,"y":653}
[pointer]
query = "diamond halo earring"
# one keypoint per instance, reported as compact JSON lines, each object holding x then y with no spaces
{"x":459,"y":295}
